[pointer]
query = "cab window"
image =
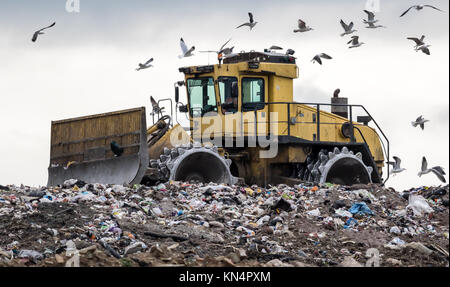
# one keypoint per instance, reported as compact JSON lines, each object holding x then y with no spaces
{"x":252,"y":94}
{"x":202,"y":97}
{"x":229,"y":94}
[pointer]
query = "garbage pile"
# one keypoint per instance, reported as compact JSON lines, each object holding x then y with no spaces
{"x":193,"y":224}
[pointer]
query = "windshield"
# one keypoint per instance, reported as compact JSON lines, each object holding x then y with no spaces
{"x":202,"y":97}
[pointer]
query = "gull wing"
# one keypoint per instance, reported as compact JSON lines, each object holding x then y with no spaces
{"x":301,"y":24}
{"x":439,"y":175}
{"x":370,"y":15}
{"x":403,"y":14}
{"x":149,"y":61}
{"x":398,"y":161}
{"x":54,"y":23}
{"x":344,"y":25}
{"x":424,"y":164}
{"x":354,"y":40}
{"x":350,"y":26}
{"x":245,"y":24}
{"x":155,"y":105}
{"x":418,"y":42}
{"x":325,"y":56}
{"x":183,"y":46}
{"x":433,"y":7}
{"x":440,"y":169}
{"x":425,"y":50}
{"x":191,"y":50}
{"x":317,"y":59}
{"x":250,"y":15}
{"x":223,"y":46}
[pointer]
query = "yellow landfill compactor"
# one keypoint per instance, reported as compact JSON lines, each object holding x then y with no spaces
{"x":243,"y":127}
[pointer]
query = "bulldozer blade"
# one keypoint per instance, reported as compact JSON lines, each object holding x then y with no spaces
{"x":81,"y":148}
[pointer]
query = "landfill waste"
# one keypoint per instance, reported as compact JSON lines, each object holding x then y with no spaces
{"x":194,"y":224}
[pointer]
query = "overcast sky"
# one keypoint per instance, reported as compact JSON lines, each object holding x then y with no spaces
{"x":86,"y":64}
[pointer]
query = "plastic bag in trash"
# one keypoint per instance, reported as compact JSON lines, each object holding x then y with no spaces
{"x":419,"y":205}
{"x":31,"y":254}
{"x":360,"y":208}
{"x":343,"y":213}
{"x":350,"y":223}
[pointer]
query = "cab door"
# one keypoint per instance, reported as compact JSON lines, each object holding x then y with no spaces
{"x":229,"y":102}
{"x":205,"y":121}
{"x":253,"y":95}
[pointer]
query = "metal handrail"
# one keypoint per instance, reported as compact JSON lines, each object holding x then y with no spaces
{"x":386,"y":152}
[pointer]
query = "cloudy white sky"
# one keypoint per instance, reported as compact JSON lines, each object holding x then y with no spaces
{"x":85,"y":65}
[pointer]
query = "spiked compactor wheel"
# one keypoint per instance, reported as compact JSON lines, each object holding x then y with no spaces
{"x":339,"y":167}
{"x":194,"y":162}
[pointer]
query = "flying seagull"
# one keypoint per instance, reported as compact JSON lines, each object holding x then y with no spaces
{"x":370,"y":17}
{"x":145,"y":65}
{"x":250,"y":24}
{"x":419,"y":42}
{"x":155,"y":107}
{"x":302,"y":27}
{"x":355,"y":42}
{"x":419,"y":121}
{"x":39,"y":32}
{"x":396,"y":165}
{"x":222,"y":49}
{"x":347,"y":28}
{"x":184,"y":50}
{"x":437,"y":170}
{"x":321,"y":55}
{"x":420,"y":7}
{"x":371,"y":20}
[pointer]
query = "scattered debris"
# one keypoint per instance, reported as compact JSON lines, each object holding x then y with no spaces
{"x":190,"y":224}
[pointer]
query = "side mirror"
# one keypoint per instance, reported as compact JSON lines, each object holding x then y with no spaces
{"x":177,"y":94}
{"x":183,"y":109}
